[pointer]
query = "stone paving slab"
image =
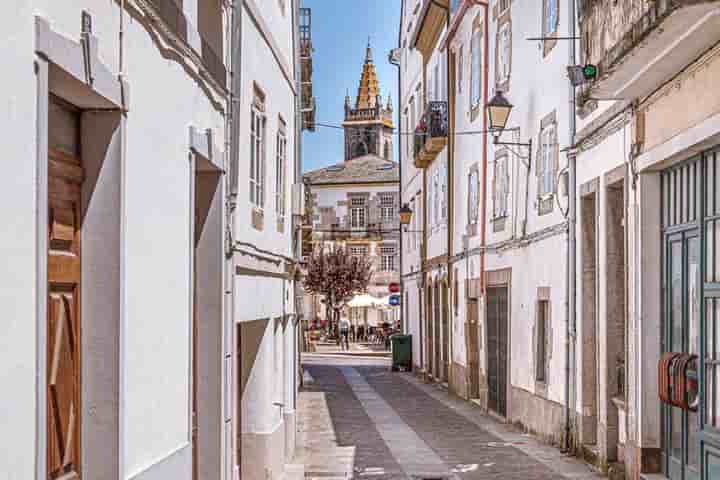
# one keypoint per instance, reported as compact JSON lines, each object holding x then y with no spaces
{"x":357,"y":420}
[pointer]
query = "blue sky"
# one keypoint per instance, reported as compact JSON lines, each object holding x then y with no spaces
{"x":340,"y":32}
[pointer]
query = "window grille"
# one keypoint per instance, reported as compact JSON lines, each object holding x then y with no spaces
{"x":388,"y":259}
{"x":546,"y":162}
{"x":387,"y":207}
{"x":473,"y":197}
{"x":504,"y":53}
{"x":501,"y":187}
{"x":476,"y":66}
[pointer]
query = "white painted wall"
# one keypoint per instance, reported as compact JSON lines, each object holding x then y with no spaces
{"x":155,"y":360}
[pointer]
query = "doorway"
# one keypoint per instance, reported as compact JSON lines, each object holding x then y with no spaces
{"x":588,"y":425}
{"x":497,"y":339}
{"x":65,"y":178}
{"x":681,"y":301}
{"x":473,"y":350}
{"x":446,"y":362}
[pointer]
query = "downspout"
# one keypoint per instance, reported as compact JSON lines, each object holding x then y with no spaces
{"x":449,"y":179}
{"x":571,"y":247}
{"x":233,"y":131}
{"x":403,"y":320}
{"x":297,"y":229}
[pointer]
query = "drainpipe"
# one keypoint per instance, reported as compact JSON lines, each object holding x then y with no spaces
{"x":297,"y":229}
{"x":233,"y":131}
{"x":403,"y":322}
{"x":570,"y":324}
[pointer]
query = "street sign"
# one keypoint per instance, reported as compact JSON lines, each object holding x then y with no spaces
{"x":394,"y":300}
{"x":394,"y":287}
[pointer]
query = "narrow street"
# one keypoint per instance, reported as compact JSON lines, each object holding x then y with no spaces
{"x":359,"y":420}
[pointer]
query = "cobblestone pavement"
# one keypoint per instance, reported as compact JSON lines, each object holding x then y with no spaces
{"x":359,"y":420}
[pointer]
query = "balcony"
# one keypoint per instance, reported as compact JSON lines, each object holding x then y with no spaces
{"x":432,"y":20}
{"x":431,"y":134}
{"x":638,"y":46}
{"x":306,"y":70}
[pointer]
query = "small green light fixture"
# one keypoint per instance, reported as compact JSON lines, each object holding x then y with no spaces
{"x":590,"y":71}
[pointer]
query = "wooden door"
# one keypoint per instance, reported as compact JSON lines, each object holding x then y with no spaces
{"x":446,"y":362}
{"x":497,"y":330}
{"x":65,"y":177}
{"x":473,"y":352}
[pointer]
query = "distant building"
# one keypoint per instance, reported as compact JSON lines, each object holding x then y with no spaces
{"x":355,"y":203}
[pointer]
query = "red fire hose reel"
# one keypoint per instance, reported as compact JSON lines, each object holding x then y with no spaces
{"x":678,"y":380}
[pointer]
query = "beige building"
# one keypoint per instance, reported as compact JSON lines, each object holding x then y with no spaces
{"x":355,"y":203}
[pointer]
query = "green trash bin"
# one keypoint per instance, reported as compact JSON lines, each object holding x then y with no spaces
{"x":401,"y":352}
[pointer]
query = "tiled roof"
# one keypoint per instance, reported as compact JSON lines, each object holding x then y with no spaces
{"x":366,"y":169}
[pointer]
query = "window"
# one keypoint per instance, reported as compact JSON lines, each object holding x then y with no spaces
{"x":387,"y":208}
{"x":413,"y":124}
{"x":502,"y":5}
{"x":257,"y":151}
{"x":547,"y":161}
{"x":436,"y":95}
{"x":460,"y":69}
{"x":476,"y":67}
{"x":473,"y":197}
{"x":280,"y":171}
{"x":551,"y":17}
{"x":443,"y":193}
{"x":436,"y":197}
{"x":543,"y":319}
{"x":501,"y":184}
{"x":358,"y":213}
{"x":504,"y":54}
{"x":358,"y":251}
{"x":413,"y":225}
{"x":387,"y":259}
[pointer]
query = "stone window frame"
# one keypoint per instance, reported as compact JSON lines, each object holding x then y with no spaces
{"x":504,"y":24}
{"x":473,"y":207}
{"x":477,"y":59}
{"x":548,"y":45}
{"x":387,"y":254}
{"x":258,"y":153}
{"x":500,"y":214}
{"x":387,"y":206}
{"x":541,"y":376}
{"x":281,"y":142}
{"x":545,"y":169}
{"x":356,"y":200}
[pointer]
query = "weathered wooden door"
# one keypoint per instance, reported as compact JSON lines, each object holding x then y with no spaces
{"x":65,"y":176}
{"x":497,"y":332}
{"x":446,"y":363}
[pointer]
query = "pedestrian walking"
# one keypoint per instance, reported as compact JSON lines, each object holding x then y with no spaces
{"x":344,"y":332}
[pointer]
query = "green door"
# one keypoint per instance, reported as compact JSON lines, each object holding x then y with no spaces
{"x":691,"y":306}
{"x":681,"y":335}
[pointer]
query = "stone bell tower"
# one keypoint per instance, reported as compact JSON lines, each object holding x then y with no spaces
{"x":368,"y":124}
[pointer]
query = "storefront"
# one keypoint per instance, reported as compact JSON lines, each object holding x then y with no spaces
{"x":691,"y":311}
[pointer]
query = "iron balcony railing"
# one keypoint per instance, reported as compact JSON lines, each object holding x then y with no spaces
{"x":433,"y":124}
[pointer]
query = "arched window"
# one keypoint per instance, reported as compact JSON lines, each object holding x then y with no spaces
{"x":360,"y":149}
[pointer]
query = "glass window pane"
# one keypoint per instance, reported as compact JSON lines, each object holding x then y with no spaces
{"x":676,"y":292}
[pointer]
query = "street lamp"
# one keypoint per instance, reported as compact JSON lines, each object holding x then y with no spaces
{"x":498,"y":110}
{"x":405,"y":215}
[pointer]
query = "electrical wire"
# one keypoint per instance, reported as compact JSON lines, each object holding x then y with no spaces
{"x":468,"y":132}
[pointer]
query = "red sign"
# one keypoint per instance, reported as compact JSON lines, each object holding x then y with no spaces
{"x":394,"y":287}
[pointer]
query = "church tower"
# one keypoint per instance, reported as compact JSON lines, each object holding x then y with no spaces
{"x":368,"y":124}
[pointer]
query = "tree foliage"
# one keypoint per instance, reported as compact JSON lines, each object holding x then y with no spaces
{"x":337,"y":276}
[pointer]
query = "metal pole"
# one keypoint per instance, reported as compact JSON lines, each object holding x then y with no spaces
{"x":571,"y":247}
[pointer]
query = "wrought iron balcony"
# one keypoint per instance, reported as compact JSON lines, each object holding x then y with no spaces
{"x":431,"y":133}
{"x":638,"y":46}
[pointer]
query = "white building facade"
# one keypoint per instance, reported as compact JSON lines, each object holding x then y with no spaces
{"x":120,"y":351}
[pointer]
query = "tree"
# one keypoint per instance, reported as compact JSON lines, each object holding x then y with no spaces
{"x":337,"y":276}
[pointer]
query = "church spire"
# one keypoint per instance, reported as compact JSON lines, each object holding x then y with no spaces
{"x":368,"y":90}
